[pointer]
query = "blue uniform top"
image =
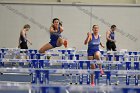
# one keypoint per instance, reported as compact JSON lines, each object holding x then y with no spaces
{"x":94,"y":43}
{"x":55,"y":35}
{"x":112,"y":35}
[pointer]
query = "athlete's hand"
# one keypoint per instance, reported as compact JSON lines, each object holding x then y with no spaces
{"x":31,"y":43}
{"x":103,"y":46}
{"x":114,"y":41}
{"x":19,"y":46}
{"x":52,"y":25}
{"x":89,"y":33}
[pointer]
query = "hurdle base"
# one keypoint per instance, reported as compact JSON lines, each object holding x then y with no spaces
{"x":117,"y":83}
{"x":1,"y":73}
{"x":63,"y":75}
{"x":73,"y":83}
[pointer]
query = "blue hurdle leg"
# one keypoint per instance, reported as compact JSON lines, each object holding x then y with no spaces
{"x":46,"y":76}
{"x":50,"y":89}
{"x":34,"y":74}
{"x":63,"y":54}
{"x":30,"y":51}
{"x":97,"y":75}
{"x":137,"y":90}
{"x":41,"y":63}
{"x":35,"y":51}
{"x":34,"y":63}
{"x":0,"y":59}
{"x":70,"y":66}
{"x":135,"y":57}
{"x":136,"y":80}
{"x":32,"y":56}
{"x":37,"y":76}
{"x":136,"y":67}
{"x":41,"y":76}
{"x":128,"y":67}
{"x":43,"y":89}
{"x":2,"y":56}
{"x":38,"y":56}
{"x":76,"y":57}
{"x":88,"y":75}
{"x":130,"y":53}
{"x":127,"y":80}
{"x":108,"y":82}
{"x":63,"y":58}
{"x":81,"y":76}
{"x":117,"y":59}
{"x":109,"y":59}
{"x":125,"y":90}
{"x":34,"y":79}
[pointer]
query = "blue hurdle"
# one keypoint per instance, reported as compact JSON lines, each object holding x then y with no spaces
{"x":70,"y":55}
{"x":41,"y":76}
{"x":69,"y":89}
{"x":37,"y":63}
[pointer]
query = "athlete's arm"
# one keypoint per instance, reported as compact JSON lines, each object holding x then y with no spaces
{"x":89,"y":37}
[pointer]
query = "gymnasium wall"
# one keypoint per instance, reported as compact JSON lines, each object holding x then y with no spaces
{"x":77,"y":21}
{"x":82,"y":1}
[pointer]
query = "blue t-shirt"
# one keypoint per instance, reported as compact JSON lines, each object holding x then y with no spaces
{"x":112,"y":35}
{"x":55,"y":35}
{"x":94,"y":43}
